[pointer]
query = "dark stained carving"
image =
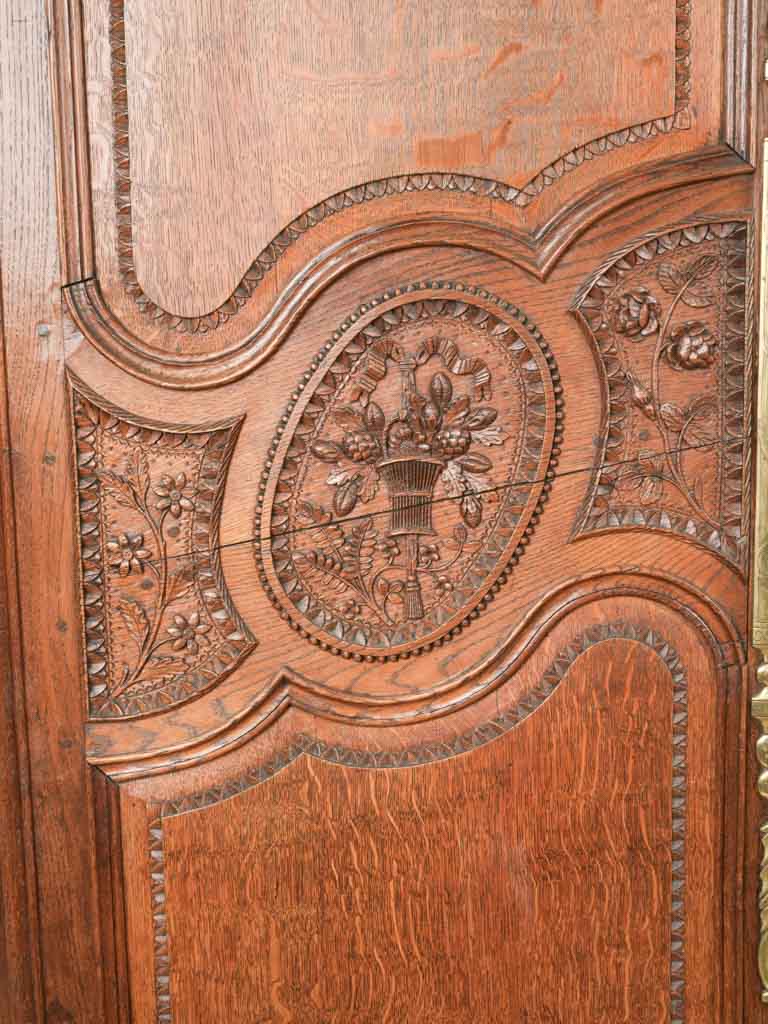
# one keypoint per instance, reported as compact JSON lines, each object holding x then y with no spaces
{"x":408,"y":471}
{"x":158,"y":623}
{"x":371,"y":191}
{"x":668,"y":318}
{"x":507,"y":719}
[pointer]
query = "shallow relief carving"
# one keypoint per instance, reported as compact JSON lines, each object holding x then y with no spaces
{"x":670,"y":320}
{"x":159,"y":626}
{"x":408,"y":472}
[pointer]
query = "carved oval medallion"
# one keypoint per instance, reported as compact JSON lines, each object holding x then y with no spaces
{"x":408,"y":471}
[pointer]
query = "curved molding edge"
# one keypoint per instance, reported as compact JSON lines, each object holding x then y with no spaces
{"x":537,"y":253}
{"x":289,"y":689}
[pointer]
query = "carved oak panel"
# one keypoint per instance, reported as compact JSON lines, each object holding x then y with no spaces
{"x":670,"y":321}
{"x":158,"y":624}
{"x":367,"y":861}
{"x":407,"y":473}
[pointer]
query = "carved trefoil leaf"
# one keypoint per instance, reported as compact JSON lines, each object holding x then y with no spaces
{"x":159,"y":626}
{"x":408,"y":472}
{"x":669,"y":319}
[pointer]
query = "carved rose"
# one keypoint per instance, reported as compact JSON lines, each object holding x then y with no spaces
{"x":692,"y":347}
{"x":637,"y":314}
{"x":188,"y":632}
{"x":128,"y":553}
{"x":174,"y":495}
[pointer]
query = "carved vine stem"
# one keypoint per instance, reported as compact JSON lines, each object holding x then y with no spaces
{"x":671,"y":449}
{"x":150,"y":644}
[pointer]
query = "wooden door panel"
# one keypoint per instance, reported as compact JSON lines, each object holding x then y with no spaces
{"x":506,"y":128}
{"x":383,"y":641}
{"x":336,"y":872}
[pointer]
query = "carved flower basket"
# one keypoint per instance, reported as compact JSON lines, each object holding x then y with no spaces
{"x":410,"y":481}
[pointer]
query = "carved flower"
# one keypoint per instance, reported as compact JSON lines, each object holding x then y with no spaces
{"x":188,"y":632}
{"x":127,"y":553}
{"x":637,"y":314}
{"x":443,"y":585}
{"x":428,"y":553}
{"x":691,"y":347}
{"x":388,"y":547}
{"x":174,"y":494}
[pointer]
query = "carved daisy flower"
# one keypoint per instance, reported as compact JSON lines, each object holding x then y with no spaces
{"x":174,"y":494}
{"x":188,"y":632}
{"x":127,"y":553}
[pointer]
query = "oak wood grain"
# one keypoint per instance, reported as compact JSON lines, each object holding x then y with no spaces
{"x":543,"y":815}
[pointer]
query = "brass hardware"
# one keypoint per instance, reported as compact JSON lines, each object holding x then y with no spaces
{"x":760,"y":573}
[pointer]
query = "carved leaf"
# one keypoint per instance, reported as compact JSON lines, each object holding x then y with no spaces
{"x":457,"y":411}
{"x":476,"y":482}
{"x":441,"y":390}
{"x":328,"y":535}
{"x":348,"y":417}
{"x":141,"y":473}
{"x":672,"y":416}
{"x":374,"y":417}
{"x":117,"y":487}
{"x":701,"y":295}
{"x":670,"y":278}
{"x":326,"y":451}
{"x":369,"y":485}
{"x":702,"y":268}
{"x":452,"y":478}
{"x":471,"y":508}
{"x":460,"y":534}
{"x":490,"y":436}
{"x":361,"y":542}
{"x":180,"y":583}
{"x":135,"y":618}
{"x":345,"y":498}
{"x":315,"y":573}
{"x":480,"y":418}
{"x":340,"y":476}
{"x":475,"y":463}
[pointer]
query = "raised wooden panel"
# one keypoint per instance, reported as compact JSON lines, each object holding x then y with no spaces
{"x":300,"y":103}
{"x":490,"y":133}
{"x":576,"y":828}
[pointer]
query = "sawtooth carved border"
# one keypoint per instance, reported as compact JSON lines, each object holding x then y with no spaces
{"x":692,"y":313}
{"x":159,"y":626}
{"x":679,"y":120}
{"x":502,"y":723}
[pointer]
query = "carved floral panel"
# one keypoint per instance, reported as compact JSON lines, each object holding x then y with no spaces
{"x":668,"y":319}
{"x":408,"y":471}
{"x":159,"y":626}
